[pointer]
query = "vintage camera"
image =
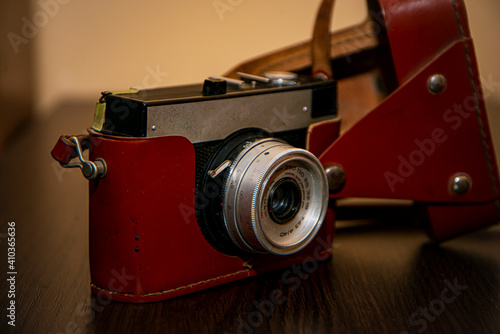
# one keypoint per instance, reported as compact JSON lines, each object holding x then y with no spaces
{"x":195,"y":186}
{"x":257,"y":188}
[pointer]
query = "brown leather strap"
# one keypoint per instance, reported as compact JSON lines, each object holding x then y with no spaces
{"x":344,"y":43}
{"x":321,"y":66}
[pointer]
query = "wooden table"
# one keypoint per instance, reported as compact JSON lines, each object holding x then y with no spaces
{"x":385,"y":276}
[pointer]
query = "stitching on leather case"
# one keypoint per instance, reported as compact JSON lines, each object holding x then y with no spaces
{"x":247,"y":265}
{"x":168,"y":291}
{"x":476,"y":104}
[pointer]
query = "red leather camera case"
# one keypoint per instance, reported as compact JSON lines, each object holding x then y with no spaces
{"x":415,"y":141}
{"x":145,"y":243}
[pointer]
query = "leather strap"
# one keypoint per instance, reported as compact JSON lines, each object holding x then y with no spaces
{"x":359,"y":93}
{"x":344,"y":43}
{"x":321,"y":66}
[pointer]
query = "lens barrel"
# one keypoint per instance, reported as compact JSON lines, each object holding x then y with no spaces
{"x":275,"y":197}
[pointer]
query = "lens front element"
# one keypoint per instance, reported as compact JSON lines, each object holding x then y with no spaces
{"x":285,"y":200}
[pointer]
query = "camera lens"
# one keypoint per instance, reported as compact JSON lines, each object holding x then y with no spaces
{"x":284,"y":200}
{"x":275,"y":197}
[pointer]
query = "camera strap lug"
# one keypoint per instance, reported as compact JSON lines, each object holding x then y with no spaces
{"x":73,"y":148}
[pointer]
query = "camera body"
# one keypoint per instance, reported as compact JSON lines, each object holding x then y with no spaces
{"x":159,"y":226}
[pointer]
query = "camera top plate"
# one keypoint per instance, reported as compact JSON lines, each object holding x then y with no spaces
{"x":278,"y":105}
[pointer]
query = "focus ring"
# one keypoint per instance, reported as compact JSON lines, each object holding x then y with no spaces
{"x":256,"y":171}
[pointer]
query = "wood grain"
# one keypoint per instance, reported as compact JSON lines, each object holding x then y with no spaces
{"x":381,"y":273}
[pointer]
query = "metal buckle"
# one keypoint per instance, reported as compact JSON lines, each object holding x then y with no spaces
{"x":90,"y":169}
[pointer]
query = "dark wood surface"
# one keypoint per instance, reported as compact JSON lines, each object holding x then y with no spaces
{"x":385,"y":276}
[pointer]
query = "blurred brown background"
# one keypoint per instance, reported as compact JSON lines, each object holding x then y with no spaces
{"x":55,"y":51}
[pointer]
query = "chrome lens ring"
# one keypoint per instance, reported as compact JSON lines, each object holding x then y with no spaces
{"x":261,"y":169}
{"x":237,"y":220}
